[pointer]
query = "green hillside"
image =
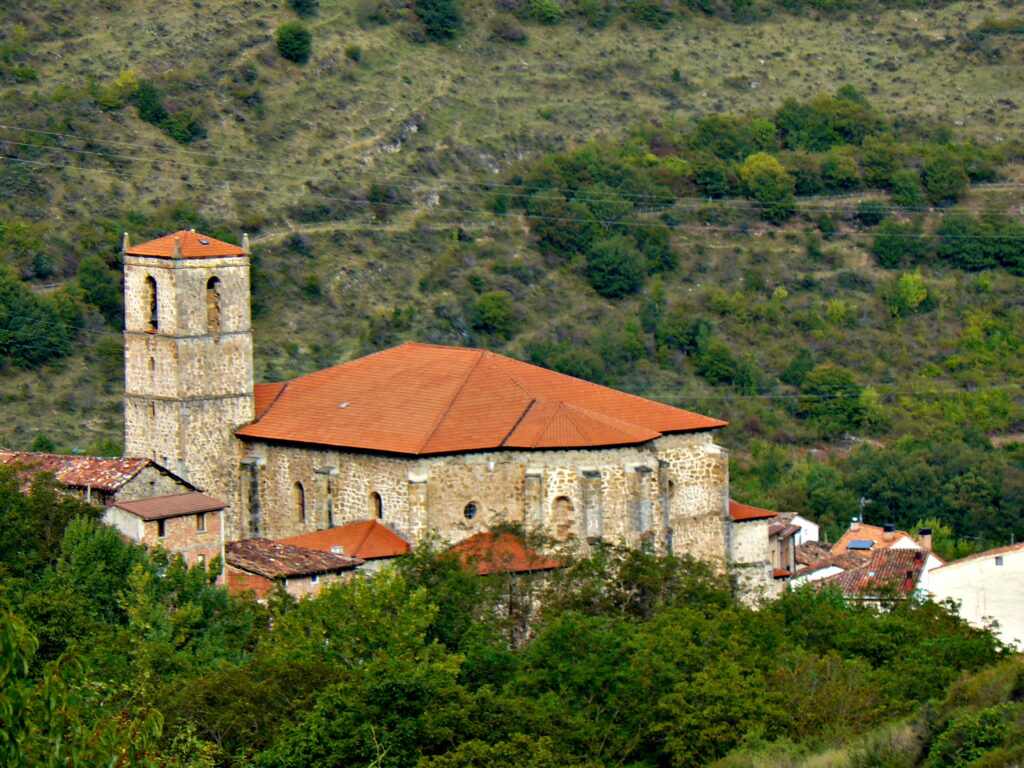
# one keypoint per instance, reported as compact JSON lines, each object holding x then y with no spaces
{"x":383,"y":183}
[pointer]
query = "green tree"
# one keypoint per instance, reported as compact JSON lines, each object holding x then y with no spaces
{"x":798,"y":368}
{"x":945,"y":177}
{"x":906,"y":294}
{"x":906,"y":188}
{"x":871,"y":213}
{"x":294,"y":42}
{"x":440,"y":18}
{"x":101,"y":288}
{"x":495,"y":314}
{"x":305,"y":7}
{"x":896,"y":244}
{"x":965,"y":242}
{"x":831,"y":397}
{"x":615,"y":268}
{"x":768,"y":183}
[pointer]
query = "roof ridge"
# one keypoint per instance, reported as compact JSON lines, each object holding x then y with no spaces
{"x":497,"y":360}
{"x":447,"y":408}
{"x":284,"y":386}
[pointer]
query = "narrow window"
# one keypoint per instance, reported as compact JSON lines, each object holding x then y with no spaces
{"x":201,"y":522}
{"x":152,"y":364}
{"x":470,"y":510}
{"x":999,"y":559}
{"x":314,"y":579}
{"x":299,"y":502}
{"x":376,"y":506}
{"x":213,"y":305}
{"x":161,"y":528}
{"x":149,"y":294}
{"x":563,"y":516}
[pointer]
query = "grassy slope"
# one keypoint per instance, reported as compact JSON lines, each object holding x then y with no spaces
{"x":322,"y":133}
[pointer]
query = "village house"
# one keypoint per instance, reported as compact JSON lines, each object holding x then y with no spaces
{"x":186,"y":524}
{"x":887,"y":575}
{"x":370,"y":541}
{"x":423,"y":438}
{"x":256,"y":565}
{"x":988,"y":586}
{"x":96,"y":480}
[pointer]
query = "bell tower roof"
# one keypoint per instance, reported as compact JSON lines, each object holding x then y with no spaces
{"x":185,"y":244}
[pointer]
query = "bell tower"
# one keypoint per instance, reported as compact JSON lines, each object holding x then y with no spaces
{"x":188,"y":357}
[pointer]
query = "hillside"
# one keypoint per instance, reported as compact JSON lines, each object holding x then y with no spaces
{"x":372,"y":181}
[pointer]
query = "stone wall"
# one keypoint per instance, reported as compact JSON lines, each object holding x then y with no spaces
{"x":670,"y":493}
{"x":751,"y":560}
{"x":182,"y":535}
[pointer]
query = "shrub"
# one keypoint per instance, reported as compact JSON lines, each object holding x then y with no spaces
{"x":768,"y":183}
{"x":504,"y":27}
{"x":546,"y":11}
{"x":494,"y":314}
{"x":354,"y":53}
{"x":440,"y":18}
{"x":832,"y":397}
{"x":906,"y":188}
{"x":294,"y":42}
{"x":615,"y":268}
{"x":964,"y":242}
{"x":840,"y":172}
{"x":871,"y":213}
{"x":945,"y":178}
{"x":304,"y":7}
{"x":897,"y":244}
{"x":906,"y":294}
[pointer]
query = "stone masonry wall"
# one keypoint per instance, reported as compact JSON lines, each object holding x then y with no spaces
{"x":434,"y":493}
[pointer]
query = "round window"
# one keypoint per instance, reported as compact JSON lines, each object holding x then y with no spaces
{"x":470,"y":511}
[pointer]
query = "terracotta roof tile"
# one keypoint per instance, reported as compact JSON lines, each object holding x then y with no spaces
{"x":813,"y":556}
{"x":887,"y":569}
{"x":192,"y":246}
{"x":368,"y":540}
{"x":100,"y":474}
{"x":172,"y":505}
{"x":873,"y":533}
{"x":272,"y":559}
{"x":491,"y":553}
{"x":741,"y":512}
{"x":429,"y":399}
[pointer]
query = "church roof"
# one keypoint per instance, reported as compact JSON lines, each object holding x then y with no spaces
{"x":192,"y":246}
{"x":426,"y":399}
{"x":498,"y":552}
{"x":367,"y":540}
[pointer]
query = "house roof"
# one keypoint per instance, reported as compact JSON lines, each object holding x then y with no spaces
{"x":100,"y":474}
{"x":782,"y":530}
{"x":887,"y":569}
{"x":1018,"y":547}
{"x":870,"y":533}
{"x":741,"y":512}
{"x":427,"y":399}
{"x":500,"y":552}
{"x":191,"y":244}
{"x":368,"y":540}
{"x":813,"y":556}
{"x":172,"y":505}
{"x":272,"y":559}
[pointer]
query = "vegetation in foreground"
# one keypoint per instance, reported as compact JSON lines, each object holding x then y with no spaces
{"x":632,"y":660}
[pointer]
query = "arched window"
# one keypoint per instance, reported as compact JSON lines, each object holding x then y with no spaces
{"x":299,"y":502}
{"x":376,"y":506}
{"x":213,"y":305}
{"x":470,"y":510}
{"x":150,"y":303}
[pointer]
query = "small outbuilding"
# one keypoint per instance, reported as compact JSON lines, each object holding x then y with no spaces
{"x":257,"y":564}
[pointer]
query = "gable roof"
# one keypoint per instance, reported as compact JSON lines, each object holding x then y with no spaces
{"x":191,"y":245}
{"x":813,"y":556}
{"x":425,"y":399}
{"x":491,"y":552}
{"x":741,"y":512}
{"x":272,"y":559}
{"x":1018,"y":547}
{"x":171,"y":505}
{"x":368,"y":540}
{"x":100,"y":474}
{"x":871,"y":533}
{"x":887,"y":569}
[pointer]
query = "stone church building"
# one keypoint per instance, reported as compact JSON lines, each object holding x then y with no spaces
{"x":424,"y":438}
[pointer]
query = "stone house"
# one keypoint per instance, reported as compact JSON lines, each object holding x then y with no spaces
{"x":750,"y":555}
{"x":423,"y":438}
{"x":186,"y":524}
{"x":96,"y":480}
{"x":256,"y":565}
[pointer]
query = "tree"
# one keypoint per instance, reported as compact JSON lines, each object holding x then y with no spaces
{"x":101,"y":288}
{"x":906,"y":294}
{"x":294,"y":42}
{"x":831,"y":397}
{"x":495,"y":314}
{"x":897,"y":244}
{"x":440,"y":18}
{"x":615,"y":268}
{"x":871,"y":213}
{"x":945,"y":178}
{"x":964,"y":242}
{"x":769,"y":183}
{"x":304,"y":7}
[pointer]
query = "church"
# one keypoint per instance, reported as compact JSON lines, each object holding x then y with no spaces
{"x":424,"y":438}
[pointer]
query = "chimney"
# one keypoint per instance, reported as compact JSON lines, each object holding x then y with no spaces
{"x":855,"y":524}
{"x":924,"y":537}
{"x":888,"y":532}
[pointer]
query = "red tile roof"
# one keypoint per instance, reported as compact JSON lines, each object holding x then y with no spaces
{"x":272,"y":559}
{"x":491,"y":553}
{"x":740,"y":512}
{"x":814,"y":556}
{"x":427,"y":399}
{"x":887,"y":569}
{"x":106,"y":475}
{"x":172,"y":505}
{"x":874,"y":533}
{"x":782,"y":530}
{"x":192,"y":245}
{"x":368,"y":540}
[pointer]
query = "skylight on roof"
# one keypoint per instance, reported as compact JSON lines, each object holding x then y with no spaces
{"x":203,"y":241}
{"x":861,"y":544}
